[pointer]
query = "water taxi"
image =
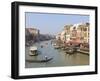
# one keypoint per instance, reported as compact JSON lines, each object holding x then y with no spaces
{"x":33,"y":51}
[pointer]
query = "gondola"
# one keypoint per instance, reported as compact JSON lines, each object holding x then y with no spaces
{"x":39,"y":61}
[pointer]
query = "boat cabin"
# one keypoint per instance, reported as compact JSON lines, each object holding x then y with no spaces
{"x":33,"y":51}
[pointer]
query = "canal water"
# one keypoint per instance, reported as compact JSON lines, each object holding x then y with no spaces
{"x":60,"y":58}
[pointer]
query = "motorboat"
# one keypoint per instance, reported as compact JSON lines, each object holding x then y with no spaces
{"x":33,"y":51}
{"x":71,"y":50}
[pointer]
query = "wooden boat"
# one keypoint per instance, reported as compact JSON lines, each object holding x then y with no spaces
{"x":71,"y":50}
{"x":39,"y":61}
{"x":83,"y":52}
{"x":85,"y":49}
{"x":33,"y":51}
{"x":63,"y":48}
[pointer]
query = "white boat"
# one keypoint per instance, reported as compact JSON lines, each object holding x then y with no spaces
{"x":33,"y":51}
{"x":56,"y":47}
{"x":54,"y":44}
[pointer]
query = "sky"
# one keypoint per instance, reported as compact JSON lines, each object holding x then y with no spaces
{"x":49,"y":23}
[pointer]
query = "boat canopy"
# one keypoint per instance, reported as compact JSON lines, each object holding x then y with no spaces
{"x":33,"y":48}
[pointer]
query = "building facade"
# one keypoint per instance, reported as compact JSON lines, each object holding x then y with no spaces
{"x":31,"y":34}
{"x":77,"y":33}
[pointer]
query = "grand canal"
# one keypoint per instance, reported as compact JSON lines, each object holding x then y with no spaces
{"x":60,"y":58}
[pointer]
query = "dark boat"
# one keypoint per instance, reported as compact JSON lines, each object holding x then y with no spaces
{"x":71,"y":50}
{"x":39,"y":61}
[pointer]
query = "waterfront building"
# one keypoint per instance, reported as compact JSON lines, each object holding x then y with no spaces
{"x":58,"y":37}
{"x":33,"y":31}
{"x":77,"y":33}
{"x":31,"y":34}
{"x":63,"y":36}
{"x":67,"y":32}
{"x":86,"y":33}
